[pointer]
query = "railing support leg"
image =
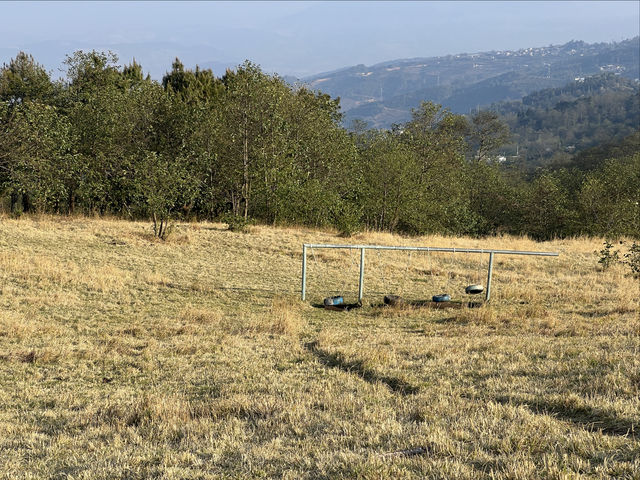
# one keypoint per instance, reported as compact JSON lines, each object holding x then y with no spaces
{"x":304,"y":272}
{"x":361,"y":282}
{"x":488,"y":296}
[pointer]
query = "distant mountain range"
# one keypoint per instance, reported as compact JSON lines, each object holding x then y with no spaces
{"x":385,"y":93}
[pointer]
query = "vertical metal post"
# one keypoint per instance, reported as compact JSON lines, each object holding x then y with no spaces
{"x":361,"y":283}
{"x":489,"y":277}
{"x":304,"y":272}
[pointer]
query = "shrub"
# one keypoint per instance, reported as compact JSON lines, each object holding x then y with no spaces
{"x":632,"y":259}
{"x":237,"y":223}
{"x":346,"y":218}
{"x":608,"y":256}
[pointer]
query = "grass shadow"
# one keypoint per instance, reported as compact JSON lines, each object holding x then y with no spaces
{"x":447,"y":320}
{"x":213,"y":228}
{"x":335,"y":360}
{"x":589,"y":418}
{"x":608,"y":313}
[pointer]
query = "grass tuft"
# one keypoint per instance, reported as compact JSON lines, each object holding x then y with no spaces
{"x":285,"y":316}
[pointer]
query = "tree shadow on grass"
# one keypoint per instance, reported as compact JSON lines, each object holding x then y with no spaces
{"x":336,"y":360}
{"x":589,"y":418}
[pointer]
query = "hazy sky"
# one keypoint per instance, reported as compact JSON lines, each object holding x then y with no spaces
{"x":301,"y":38}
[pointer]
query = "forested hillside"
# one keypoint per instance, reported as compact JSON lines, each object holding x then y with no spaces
{"x":249,"y":147}
{"x":553,"y":126}
{"x":385,"y":93}
{"x":593,"y":157}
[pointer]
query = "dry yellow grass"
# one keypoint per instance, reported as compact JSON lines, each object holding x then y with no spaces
{"x":126,"y":357}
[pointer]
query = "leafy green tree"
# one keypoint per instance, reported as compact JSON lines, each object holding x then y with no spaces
{"x":195,"y":130}
{"x":109,"y":139}
{"x":36,"y":157}
{"x":314,"y":176}
{"x":548,"y":214}
{"x":132,"y":74}
{"x":609,"y":199}
{"x":114,"y":117}
{"x":192,"y":86}
{"x":249,"y":122}
{"x":185,"y":136}
{"x":487,"y":133}
{"x":497,"y":200}
{"x":88,"y":73}
{"x":164,"y":187}
{"x":390,"y":190}
{"x":23,"y":80}
{"x":437,"y":137}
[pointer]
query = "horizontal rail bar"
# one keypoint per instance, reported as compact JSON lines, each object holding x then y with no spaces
{"x":432,"y":249}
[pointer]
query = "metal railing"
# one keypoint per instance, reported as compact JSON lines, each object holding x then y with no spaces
{"x":362,"y":248}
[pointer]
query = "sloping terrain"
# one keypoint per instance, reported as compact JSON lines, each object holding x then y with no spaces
{"x":385,"y":93}
{"x":552,"y":126}
{"x":126,"y":357}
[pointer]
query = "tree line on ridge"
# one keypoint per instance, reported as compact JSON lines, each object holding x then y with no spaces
{"x":249,"y":147}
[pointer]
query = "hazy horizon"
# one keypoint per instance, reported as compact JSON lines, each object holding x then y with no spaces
{"x":301,"y":38}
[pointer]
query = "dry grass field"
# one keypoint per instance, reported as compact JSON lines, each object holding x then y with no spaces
{"x":126,"y":357}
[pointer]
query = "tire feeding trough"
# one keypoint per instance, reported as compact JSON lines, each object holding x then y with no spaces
{"x":441,"y":300}
{"x":474,"y":289}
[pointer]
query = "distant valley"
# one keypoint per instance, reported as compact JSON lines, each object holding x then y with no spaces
{"x":385,"y":93}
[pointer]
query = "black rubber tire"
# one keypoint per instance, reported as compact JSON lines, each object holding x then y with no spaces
{"x":443,"y":297}
{"x":393,"y":300}
{"x":474,"y":289}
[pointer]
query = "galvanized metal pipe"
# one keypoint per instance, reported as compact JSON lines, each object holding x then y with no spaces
{"x":433,"y":249}
{"x":362,"y":249}
{"x":488,"y":294}
{"x":304,"y":272}
{"x":361,"y":282}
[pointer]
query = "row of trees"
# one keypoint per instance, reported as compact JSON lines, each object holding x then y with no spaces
{"x":106,"y":139}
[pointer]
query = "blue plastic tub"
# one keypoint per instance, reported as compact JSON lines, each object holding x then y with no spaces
{"x":334,"y":301}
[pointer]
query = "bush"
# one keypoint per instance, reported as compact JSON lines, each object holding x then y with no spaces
{"x":633,"y":259}
{"x":608,"y":256}
{"x":237,"y":223}
{"x":346,"y":218}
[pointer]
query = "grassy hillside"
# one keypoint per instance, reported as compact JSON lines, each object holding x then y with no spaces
{"x":126,"y":357}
